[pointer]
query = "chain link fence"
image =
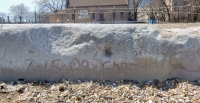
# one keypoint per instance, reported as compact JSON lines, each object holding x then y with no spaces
{"x":119,"y":15}
{"x":182,"y":14}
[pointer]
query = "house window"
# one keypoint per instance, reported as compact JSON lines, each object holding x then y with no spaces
{"x":122,"y":15}
{"x":73,"y":17}
{"x":93,"y":15}
{"x":114,"y":15}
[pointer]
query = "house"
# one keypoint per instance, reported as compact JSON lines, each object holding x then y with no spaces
{"x":92,"y":11}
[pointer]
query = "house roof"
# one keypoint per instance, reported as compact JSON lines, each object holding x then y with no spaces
{"x":92,"y":3}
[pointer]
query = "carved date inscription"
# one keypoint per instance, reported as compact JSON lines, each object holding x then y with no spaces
{"x":84,"y":64}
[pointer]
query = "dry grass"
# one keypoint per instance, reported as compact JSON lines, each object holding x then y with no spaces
{"x":166,"y":30}
{"x":176,"y":25}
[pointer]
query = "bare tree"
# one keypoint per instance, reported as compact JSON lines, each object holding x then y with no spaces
{"x":186,"y":9}
{"x":134,"y":5}
{"x":166,"y":7}
{"x":1,"y":26}
{"x":155,"y":7}
{"x":52,"y":5}
{"x":171,"y":10}
{"x":2,"y":17}
{"x":148,"y":8}
{"x":29,"y":17}
{"x":42,"y":17}
{"x":19,"y":12}
{"x":195,"y":4}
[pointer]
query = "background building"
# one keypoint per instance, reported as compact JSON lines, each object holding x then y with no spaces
{"x":92,"y":11}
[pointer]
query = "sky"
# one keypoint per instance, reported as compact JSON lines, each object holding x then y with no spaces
{"x":5,"y":4}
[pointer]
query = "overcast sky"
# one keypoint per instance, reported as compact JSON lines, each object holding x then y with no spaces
{"x":5,"y":4}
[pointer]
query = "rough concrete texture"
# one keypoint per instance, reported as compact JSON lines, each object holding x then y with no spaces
{"x":88,"y":51}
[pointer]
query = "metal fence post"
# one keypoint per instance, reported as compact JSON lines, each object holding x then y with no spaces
{"x":74,"y":14}
{"x":8,"y":19}
{"x":152,"y":16}
{"x":188,"y":15}
{"x":110,"y":17}
{"x":35,"y":16}
{"x":39,"y":18}
{"x":62,"y":16}
{"x":114,"y":15}
{"x":162,"y":16}
{"x":178,"y":9}
{"x":91,"y":15}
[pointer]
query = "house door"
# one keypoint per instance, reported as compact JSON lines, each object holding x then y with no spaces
{"x":101,"y":16}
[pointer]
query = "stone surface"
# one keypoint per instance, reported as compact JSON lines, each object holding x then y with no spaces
{"x":88,"y":51}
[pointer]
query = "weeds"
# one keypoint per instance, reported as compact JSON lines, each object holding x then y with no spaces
{"x":107,"y":50}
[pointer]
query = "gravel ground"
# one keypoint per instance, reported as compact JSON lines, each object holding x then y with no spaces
{"x":78,"y":91}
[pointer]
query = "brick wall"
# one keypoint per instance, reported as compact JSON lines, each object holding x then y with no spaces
{"x":90,"y":14}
